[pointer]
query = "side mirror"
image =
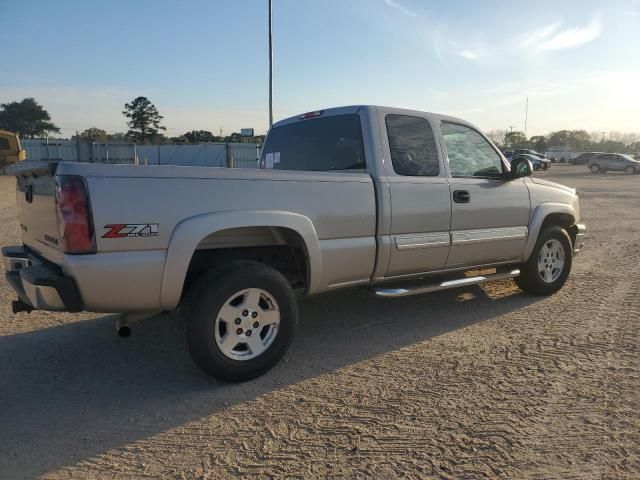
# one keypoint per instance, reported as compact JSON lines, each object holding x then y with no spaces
{"x":520,"y":167}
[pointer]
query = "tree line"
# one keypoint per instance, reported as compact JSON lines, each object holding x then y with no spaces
{"x":577,"y":140}
{"x":29,"y":119}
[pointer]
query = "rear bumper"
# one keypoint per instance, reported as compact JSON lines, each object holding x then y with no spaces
{"x":38,"y":283}
{"x":578,"y":234}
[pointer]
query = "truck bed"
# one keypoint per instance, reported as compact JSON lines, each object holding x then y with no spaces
{"x":341,"y":207}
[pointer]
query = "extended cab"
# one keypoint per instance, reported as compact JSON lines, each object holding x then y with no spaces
{"x":397,"y":201}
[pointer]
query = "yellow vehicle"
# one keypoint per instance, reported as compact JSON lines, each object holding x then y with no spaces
{"x":10,"y":149}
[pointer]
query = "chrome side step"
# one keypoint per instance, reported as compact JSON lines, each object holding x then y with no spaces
{"x":462,"y":282}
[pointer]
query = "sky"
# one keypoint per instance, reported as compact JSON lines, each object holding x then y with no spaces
{"x":204,"y":63}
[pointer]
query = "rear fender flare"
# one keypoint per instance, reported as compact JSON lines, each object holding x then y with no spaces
{"x":191,"y":231}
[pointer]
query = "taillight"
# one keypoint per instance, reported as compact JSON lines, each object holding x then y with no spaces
{"x":75,"y":226}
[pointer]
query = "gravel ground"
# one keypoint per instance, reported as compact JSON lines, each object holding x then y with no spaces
{"x":483,"y":382}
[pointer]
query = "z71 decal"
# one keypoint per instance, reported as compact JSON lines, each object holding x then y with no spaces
{"x":124,"y":230}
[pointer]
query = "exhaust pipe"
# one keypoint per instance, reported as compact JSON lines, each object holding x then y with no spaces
{"x":124,"y":321}
{"x":123,"y":327}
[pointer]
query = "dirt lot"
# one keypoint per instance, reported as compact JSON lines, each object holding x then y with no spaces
{"x":475,"y":383}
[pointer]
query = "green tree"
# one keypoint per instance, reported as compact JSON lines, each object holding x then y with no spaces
{"x":578,"y":140}
{"x":515,"y":139}
{"x":93,"y":133}
{"x":538,"y":143}
{"x":144,"y":119}
{"x":27,"y":118}
{"x":195,"y":136}
{"x":118,"y":137}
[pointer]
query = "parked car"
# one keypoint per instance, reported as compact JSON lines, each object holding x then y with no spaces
{"x":583,"y":158}
{"x":537,"y":162}
{"x":354,"y":196}
{"x":525,"y":151}
{"x":604,"y":162}
{"x":636,"y":156}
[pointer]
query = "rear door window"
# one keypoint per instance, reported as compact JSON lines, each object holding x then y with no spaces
{"x":332,"y":143}
{"x":412,"y":146}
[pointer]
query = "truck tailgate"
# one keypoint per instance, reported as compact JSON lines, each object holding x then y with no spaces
{"x":36,"y":203}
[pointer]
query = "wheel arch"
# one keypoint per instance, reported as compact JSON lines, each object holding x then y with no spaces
{"x":548,"y":214}
{"x":192,"y":232}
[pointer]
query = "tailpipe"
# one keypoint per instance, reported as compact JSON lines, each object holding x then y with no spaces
{"x":124,"y":322}
{"x":123,"y":327}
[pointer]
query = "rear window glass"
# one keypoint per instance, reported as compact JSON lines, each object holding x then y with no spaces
{"x":412,"y":146}
{"x":321,"y":144}
{"x":4,"y":144}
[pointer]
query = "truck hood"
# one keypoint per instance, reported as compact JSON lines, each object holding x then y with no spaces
{"x":547,"y":183}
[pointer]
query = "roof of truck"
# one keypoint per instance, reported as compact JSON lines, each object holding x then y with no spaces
{"x":356,"y":108}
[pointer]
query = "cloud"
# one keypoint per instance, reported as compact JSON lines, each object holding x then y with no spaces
{"x":550,"y":37}
{"x":534,"y":38}
{"x":468,"y":54}
{"x":396,"y":5}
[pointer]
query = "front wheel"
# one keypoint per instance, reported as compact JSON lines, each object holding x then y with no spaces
{"x":549,"y":265}
{"x":630,"y":170}
{"x":595,"y":168}
{"x":241,"y":319}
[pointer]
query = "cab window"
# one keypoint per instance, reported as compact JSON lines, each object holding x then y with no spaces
{"x":412,"y":146}
{"x":332,"y":143}
{"x":470,"y":155}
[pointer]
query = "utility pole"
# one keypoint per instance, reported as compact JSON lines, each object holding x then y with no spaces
{"x":526,"y":117}
{"x":270,"y":65}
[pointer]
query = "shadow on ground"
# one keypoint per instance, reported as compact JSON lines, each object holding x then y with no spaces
{"x":71,"y":392}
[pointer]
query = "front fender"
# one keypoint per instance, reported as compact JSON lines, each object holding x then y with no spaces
{"x":540,"y":213}
{"x":191,"y":231}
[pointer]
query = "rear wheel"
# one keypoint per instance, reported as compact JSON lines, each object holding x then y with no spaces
{"x":549,"y":265}
{"x":595,"y":168}
{"x":241,"y":319}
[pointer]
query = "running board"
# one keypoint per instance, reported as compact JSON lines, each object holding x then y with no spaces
{"x":436,"y":287}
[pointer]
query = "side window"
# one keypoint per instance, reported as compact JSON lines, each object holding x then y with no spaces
{"x":413,"y":146}
{"x":470,"y":155}
{"x":320,"y":145}
{"x":4,"y":144}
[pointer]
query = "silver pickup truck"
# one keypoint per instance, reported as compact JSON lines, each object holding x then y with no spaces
{"x":400,"y":202}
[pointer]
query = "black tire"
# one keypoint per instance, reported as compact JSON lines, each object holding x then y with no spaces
{"x":595,"y":168}
{"x":530,"y":279}
{"x":630,"y":170}
{"x":210,"y":293}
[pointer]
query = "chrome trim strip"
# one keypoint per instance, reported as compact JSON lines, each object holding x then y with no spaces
{"x":462,"y":282}
{"x":464,"y":237}
{"x":426,"y":240}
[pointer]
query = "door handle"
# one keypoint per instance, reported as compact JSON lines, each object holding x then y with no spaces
{"x":461,"y":196}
